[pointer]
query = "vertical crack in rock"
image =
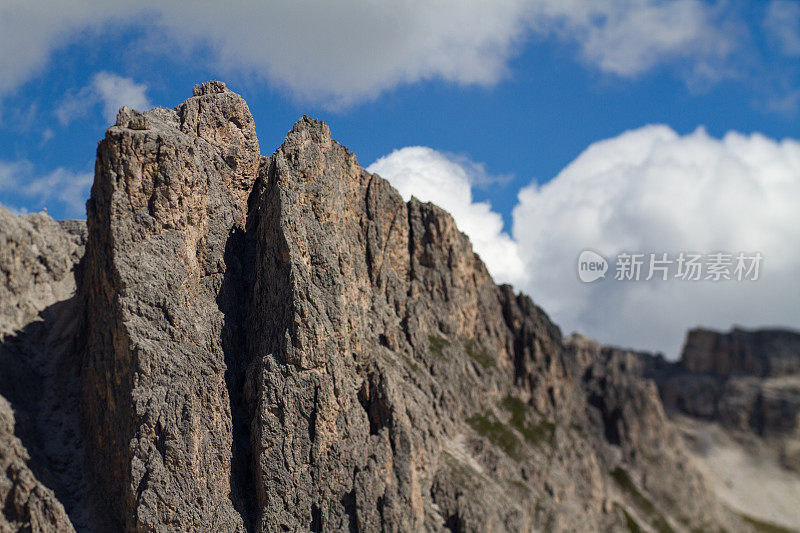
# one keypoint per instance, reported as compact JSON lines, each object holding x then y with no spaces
{"x":234,"y":301}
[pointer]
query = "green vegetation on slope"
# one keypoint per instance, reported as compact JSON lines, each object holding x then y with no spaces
{"x":497,"y":433}
{"x":437,"y":344}
{"x":640,"y":501}
{"x":479,"y":354}
{"x":543,"y":432}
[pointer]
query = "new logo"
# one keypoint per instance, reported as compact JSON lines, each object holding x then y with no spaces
{"x":591,"y":266}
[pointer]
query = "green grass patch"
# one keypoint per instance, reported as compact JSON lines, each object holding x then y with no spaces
{"x":763,"y":526}
{"x":479,"y":354}
{"x":640,"y":501}
{"x":543,"y":432}
{"x":437,"y":345}
{"x":497,"y":433}
{"x":413,"y":365}
{"x":517,"y":408}
{"x":626,"y":483}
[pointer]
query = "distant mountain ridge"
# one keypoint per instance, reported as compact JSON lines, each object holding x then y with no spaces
{"x":236,"y":342}
{"x":747,"y":381}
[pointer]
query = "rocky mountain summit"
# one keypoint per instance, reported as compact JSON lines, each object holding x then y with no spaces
{"x":234,"y":342}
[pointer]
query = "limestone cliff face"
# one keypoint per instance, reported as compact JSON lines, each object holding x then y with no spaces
{"x":37,"y":257}
{"x":167,"y":203}
{"x":745,"y":380}
{"x":282,"y":343}
{"x":375,"y":332}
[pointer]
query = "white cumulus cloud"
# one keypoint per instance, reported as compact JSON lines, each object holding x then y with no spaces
{"x":107,"y":89}
{"x":651,"y":190}
{"x":447,"y":181}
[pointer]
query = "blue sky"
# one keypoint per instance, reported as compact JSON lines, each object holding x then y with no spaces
{"x":511,"y":93}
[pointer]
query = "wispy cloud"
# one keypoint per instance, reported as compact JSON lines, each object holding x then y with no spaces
{"x":62,"y":188}
{"x":627,"y":38}
{"x":107,"y":89}
{"x":350,"y":51}
{"x":782,"y":24}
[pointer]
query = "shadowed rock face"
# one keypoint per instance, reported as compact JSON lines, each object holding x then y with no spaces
{"x":37,"y":323}
{"x":282,"y":343}
{"x":27,"y":503}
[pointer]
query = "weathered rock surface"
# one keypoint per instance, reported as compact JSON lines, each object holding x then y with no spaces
{"x":761,"y":353}
{"x":37,"y":256}
{"x":282,"y":343}
{"x":631,"y":417}
{"x":27,"y":503}
{"x":167,"y":206}
{"x":38,"y":324}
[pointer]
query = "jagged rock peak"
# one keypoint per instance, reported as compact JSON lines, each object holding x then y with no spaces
{"x":314,"y":128}
{"x":131,"y":119}
{"x":306,"y":134}
{"x":209,"y":87}
{"x":162,"y":285}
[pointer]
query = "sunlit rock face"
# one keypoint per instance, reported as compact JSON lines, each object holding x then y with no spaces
{"x":250,"y":343}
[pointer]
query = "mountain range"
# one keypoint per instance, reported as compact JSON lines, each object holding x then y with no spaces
{"x":236,"y":342}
